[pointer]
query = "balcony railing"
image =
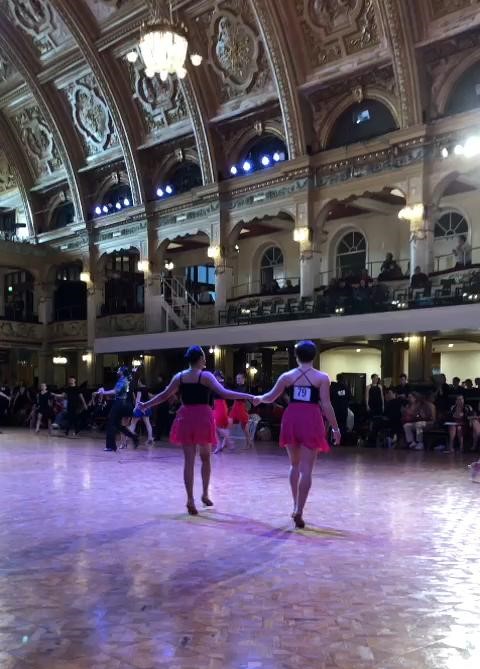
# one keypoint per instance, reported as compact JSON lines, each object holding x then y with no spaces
{"x":24,"y":330}
{"x":448,"y":261}
{"x":285,"y":286}
{"x":68,"y":330}
{"x":75,"y":313}
{"x":120,"y":324}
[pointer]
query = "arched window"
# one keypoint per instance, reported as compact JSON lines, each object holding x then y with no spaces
{"x":361,"y":122}
{"x":351,"y":254}
{"x":18,"y":296}
{"x":465,"y":95}
{"x":124,"y":287}
{"x":70,"y":298}
{"x":62,"y":215}
{"x":271,"y":268}
{"x":450,"y":224}
{"x":185,"y":176}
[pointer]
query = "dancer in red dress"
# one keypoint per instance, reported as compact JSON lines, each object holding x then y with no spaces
{"x":194,"y":424}
{"x":302,"y":430}
{"x":238,"y":412}
{"x":220,"y":413}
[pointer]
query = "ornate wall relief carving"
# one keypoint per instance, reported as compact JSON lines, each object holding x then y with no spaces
{"x":91,"y":115}
{"x":334,"y":29}
{"x":161,"y":102}
{"x":7,"y":176}
{"x":38,"y":19}
{"x":103,"y":9}
{"x":36,"y":137}
{"x":6,"y":68}
{"x":235,"y":51}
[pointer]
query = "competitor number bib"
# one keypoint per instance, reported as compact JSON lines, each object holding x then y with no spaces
{"x":302,"y":393}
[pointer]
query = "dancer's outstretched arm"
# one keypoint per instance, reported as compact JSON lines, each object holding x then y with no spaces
{"x":170,"y":390}
{"x":212,"y":383}
{"x":277,"y":390}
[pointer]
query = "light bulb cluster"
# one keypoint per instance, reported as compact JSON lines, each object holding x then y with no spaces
{"x":165,"y":191}
{"x":250,"y":165}
{"x":399,"y":304}
{"x":110,"y":208}
{"x":469,"y":149}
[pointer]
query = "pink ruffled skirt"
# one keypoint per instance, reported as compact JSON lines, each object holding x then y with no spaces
{"x":302,"y":425}
{"x":194,"y":425}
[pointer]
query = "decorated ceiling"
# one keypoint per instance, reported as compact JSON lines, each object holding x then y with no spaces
{"x":76,"y":115}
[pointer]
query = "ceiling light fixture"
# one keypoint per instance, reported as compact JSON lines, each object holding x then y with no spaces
{"x":164,"y":46}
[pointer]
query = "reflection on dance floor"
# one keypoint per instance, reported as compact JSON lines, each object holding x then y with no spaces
{"x":101,"y":568}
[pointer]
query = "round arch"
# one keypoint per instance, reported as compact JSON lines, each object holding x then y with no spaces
{"x":447,"y":88}
{"x":246,"y":139}
{"x":387,"y":101}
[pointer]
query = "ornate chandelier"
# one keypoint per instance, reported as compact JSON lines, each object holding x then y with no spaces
{"x":163,"y":48}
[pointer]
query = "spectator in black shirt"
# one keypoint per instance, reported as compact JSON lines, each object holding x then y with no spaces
{"x":393,"y":413}
{"x":419,"y":280}
{"x":75,"y":404}
{"x":456,"y":387}
{"x":403,"y":389}
{"x":340,"y":397}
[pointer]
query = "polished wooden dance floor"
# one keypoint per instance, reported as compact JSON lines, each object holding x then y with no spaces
{"x":101,"y":568}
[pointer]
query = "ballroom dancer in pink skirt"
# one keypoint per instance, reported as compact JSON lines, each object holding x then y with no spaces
{"x":194,"y":424}
{"x":302,"y":430}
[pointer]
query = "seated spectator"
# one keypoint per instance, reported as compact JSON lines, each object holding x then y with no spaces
{"x":419,"y":280}
{"x":378,"y":294}
{"x":390,"y":269}
{"x":361,"y":296}
{"x":477,"y":383}
{"x":421,"y":415}
{"x":364,"y":276}
{"x":462,"y":252}
{"x":468,"y":384}
{"x":457,"y":422}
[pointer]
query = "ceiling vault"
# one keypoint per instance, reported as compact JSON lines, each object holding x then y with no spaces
{"x":12,"y":44}
{"x":284,"y":76}
{"x":71,"y":13}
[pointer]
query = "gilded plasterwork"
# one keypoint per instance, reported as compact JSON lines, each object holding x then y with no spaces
{"x":334,"y":29}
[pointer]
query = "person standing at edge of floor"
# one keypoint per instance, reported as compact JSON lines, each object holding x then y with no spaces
{"x":194,"y":424}
{"x":302,"y":431}
{"x":121,"y":408}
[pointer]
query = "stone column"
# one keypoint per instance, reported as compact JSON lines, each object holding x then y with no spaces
{"x":392,"y":360}
{"x":421,"y":239}
{"x":223,"y":285}
{"x":309,"y":268}
{"x":153,"y":311}
{"x":419,"y":358}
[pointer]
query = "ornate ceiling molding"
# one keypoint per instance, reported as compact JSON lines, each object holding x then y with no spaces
{"x":284,"y":76}
{"x":74,"y":18}
{"x":397,"y":25}
{"x":16,"y":50}
{"x":23,"y":176}
{"x":201,"y":130}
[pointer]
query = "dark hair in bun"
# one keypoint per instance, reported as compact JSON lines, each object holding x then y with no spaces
{"x":194,"y":354}
{"x":305,"y":350}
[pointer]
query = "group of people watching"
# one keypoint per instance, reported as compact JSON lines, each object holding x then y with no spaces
{"x":405,"y":415}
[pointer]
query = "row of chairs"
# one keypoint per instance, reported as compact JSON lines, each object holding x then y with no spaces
{"x":258,"y":311}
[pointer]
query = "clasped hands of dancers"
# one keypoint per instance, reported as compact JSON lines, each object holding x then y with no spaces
{"x":302,"y":431}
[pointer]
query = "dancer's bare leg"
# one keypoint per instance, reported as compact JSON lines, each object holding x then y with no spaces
{"x":148,"y":425}
{"x":307,"y":462}
{"x":39,"y":422}
{"x":206,"y":472}
{"x":294,"y":474}
{"x":189,"y":472}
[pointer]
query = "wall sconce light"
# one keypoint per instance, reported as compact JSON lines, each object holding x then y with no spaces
{"x":60,"y":360}
{"x":143,"y":265}
{"x":87,"y":357}
{"x":169,"y":265}
{"x":301,"y":234}
{"x":85,"y":277}
{"x":214,"y":251}
{"x":413,"y":213}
